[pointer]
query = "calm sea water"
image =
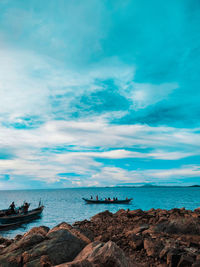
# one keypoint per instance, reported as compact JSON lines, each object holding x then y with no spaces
{"x":67,"y":204}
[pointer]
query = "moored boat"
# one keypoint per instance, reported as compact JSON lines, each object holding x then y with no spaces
{"x":122,"y":201}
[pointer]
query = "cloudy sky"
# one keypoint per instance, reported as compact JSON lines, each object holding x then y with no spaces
{"x":99,"y":93}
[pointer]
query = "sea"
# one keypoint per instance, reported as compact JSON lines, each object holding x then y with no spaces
{"x":67,"y":205}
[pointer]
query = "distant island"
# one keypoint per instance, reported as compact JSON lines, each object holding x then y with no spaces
{"x":153,"y":186}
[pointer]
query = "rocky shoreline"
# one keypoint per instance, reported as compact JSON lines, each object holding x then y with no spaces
{"x":126,"y":238}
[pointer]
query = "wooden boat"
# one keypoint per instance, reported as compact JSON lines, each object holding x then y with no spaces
{"x":93,"y":201}
{"x":15,"y":225}
{"x":21,"y":217}
{"x":8,"y":211}
{"x":7,"y":226}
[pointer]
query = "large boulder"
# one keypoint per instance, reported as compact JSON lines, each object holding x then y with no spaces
{"x":12,"y":259}
{"x":73,"y":230}
{"x":102,"y":255}
{"x":43,"y":230}
{"x":29,"y":239}
{"x":60,"y":244}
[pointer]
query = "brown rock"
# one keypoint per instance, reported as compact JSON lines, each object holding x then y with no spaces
{"x":104,"y":254}
{"x":61,"y":246}
{"x":164,"y":251}
{"x":136,"y":213}
{"x":136,"y":241}
{"x":42,"y":230}
{"x":79,"y":263}
{"x":152,"y":247}
{"x":18,"y":237}
{"x":185,"y":261}
{"x":5,"y":242}
{"x":198,"y":257}
{"x":180,"y":226}
{"x":13,"y":259}
{"x":173,"y":257}
{"x":24,"y":243}
{"x":196,"y":264}
{"x":138,"y":229}
{"x":68,"y":227}
{"x":197,"y":210}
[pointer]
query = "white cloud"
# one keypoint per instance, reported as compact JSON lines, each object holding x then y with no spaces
{"x":145,"y":94}
{"x":83,"y":139}
{"x":29,"y":81}
{"x":99,"y":133}
{"x":183,"y":172}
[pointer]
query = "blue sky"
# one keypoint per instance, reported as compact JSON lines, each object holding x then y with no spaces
{"x":99,"y":93}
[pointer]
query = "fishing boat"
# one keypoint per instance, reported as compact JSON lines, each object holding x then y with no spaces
{"x":17,"y":218}
{"x":93,"y":201}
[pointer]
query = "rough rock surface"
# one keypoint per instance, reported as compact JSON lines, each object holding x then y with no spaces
{"x":43,"y":247}
{"x":150,"y":238}
{"x":127,"y":238}
{"x":100,"y":254}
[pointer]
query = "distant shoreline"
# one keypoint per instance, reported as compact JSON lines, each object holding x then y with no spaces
{"x":118,"y":186}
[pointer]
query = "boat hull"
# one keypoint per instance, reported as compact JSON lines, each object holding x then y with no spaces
{"x":19,"y":218}
{"x":93,"y":201}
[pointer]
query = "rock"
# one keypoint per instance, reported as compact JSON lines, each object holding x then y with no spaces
{"x":42,"y":230}
{"x":5,"y":242}
{"x":198,"y":257}
{"x":136,"y":241}
{"x":185,"y":261}
{"x":121,"y":212}
{"x":42,"y":262}
{"x":173,"y":257}
{"x":13,"y":259}
{"x":152,"y":247}
{"x":68,"y":227}
{"x":104,"y":254}
{"x":136,"y":213}
{"x":179,"y":226}
{"x":197,"y":210}
{"x":150,"y":238}
{"x":29,"y":241}
{"x":138,"y":229}
{"x":79,"y":263}
{"x":196,"y":264}
{"x":164,"y":251}
{"x":102,"y":216}
{"x":18,"y":237}
{"x":61,"y":246}
{"x":25,"y":242}
{"x":45,"y":261}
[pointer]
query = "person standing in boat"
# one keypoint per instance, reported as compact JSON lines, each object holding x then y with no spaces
{"x":12,"y":207}
{"x":97,"y":198}
{"x":25,"y":207}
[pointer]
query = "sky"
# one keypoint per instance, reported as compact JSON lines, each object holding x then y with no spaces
{"x":99,"y":93}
